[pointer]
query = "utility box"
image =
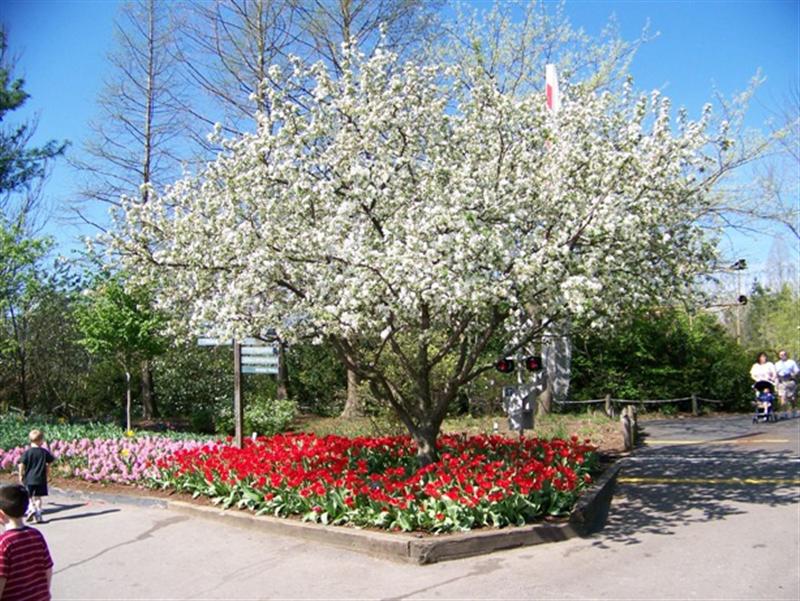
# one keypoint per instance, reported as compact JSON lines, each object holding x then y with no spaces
{"x":518,"y":408}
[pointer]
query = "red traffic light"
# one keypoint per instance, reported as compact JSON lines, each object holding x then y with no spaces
{"x":533,"y":363}
{"x":504,"y":366}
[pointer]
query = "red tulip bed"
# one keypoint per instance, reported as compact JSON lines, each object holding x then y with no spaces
{"x":479,"y":481}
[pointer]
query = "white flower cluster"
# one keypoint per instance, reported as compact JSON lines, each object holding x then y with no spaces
{"x":394,"y":198}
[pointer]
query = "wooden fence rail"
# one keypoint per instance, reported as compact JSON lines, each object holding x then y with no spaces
{"x":628,"y":418}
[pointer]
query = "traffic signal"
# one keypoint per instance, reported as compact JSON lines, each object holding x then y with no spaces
{"x":533,"y":363}
{"x":505,"y":366}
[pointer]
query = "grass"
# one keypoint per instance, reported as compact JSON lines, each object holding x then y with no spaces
{"x":602,"y":431}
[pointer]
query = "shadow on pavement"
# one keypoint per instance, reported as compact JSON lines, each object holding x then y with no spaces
{"x":79,"y":516}
{"x":691,"y":484}
{"x":59,"y":507}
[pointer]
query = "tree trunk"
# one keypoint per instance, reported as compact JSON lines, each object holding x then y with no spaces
{"x":23,"y":380}
{"x":282,"y":391}
{"x":352,"y":406}
{"x":425,"y":437}
{"x":127,"y":400}
{"x":149,"y":409}
{"x":22,"y":362}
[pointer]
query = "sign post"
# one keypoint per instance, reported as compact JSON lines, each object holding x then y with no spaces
{"x":250,"y":356}
{"x":238,"y":414}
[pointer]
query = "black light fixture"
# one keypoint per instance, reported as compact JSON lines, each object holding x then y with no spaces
{"x":505,"y":366}
{"x":533,"y":363}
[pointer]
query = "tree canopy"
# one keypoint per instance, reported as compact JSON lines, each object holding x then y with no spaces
{"x":427,"y":217}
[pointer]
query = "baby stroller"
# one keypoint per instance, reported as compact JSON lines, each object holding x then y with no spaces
{"x":765,"y":402}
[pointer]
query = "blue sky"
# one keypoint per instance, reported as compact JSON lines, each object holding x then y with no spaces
{"x":701,"y":45}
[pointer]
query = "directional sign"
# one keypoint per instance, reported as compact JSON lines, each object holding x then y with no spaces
{"x":209,"y":341}
{"x":259,"y":350}
{"x":259,"y":360}
{"x":260,"y":369}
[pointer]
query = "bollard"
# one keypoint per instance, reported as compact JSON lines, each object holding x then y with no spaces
{"x":694,"y":405}
{"x":609,"y":408}
{"x":627,"y":437}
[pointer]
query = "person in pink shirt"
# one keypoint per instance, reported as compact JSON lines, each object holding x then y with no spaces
{"x":763,"y":370}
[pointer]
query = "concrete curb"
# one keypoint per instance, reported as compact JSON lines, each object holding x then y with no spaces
{"x":587,"y":517}
{"x":590,"y":512}
{"x":139,"y":501}
{"x":397,"y":546}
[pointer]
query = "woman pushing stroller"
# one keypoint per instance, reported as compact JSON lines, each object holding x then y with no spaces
{"x":765,"y":377}
{"x":780,"y":376}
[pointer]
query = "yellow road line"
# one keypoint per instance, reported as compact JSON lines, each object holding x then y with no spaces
{"x":737,"y":441}
{"x":675,"y":480}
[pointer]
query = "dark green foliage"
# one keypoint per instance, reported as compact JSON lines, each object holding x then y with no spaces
{"x":661,"y":354}
{"x":192,"y":380}
{"x":317,"y":379}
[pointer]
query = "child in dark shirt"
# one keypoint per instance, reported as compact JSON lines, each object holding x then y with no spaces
{"x":33,"y":467}
{"x":25,"y":563}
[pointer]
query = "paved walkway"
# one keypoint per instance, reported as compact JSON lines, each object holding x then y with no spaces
{"x":685,"y":524}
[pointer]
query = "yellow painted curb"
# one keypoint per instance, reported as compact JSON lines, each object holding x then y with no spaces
{"x":676,"y":480}
{"x":743,"y":441}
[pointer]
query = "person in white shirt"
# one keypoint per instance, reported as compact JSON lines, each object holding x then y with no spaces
{"x":787,"y":370}
{"x":763,"y":370}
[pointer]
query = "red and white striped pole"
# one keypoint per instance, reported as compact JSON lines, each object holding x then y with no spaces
{"x":556,"y":343}
{"x":551,"y":88}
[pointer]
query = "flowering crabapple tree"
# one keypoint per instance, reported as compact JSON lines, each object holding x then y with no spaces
{"x":414,"y":221}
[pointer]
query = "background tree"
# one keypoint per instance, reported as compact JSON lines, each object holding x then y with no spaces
{"x":138,"y":140}
{"x":122,"y":325}
{"x":772,"y":321}
{"x":22,"y":170}
{"x":662,"y":354}
{"x":21,"y":278}
{"x":405,"y":27}
{"x":510,"y":43}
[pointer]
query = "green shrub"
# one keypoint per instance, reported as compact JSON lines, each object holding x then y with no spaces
{"x":202,"y":421}
{"x":262,"y":414}
{"x":661,"y":354}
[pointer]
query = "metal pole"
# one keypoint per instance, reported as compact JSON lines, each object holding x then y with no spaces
{"x":520,"y":390}
{"x":738,"y":308}
{"x":238,"y":416}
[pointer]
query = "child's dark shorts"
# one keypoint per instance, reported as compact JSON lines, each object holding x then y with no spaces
{"x":37,"y":490}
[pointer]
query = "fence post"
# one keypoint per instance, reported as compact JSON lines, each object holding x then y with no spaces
{"x":627,"y":435}
{"x":608,"y":407}
{"x":694,"y":404}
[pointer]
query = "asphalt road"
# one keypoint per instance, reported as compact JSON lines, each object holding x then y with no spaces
{"x":709,"y":510}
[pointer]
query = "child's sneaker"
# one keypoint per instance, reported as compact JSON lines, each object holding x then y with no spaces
{"x":30,"y":516}
{"x":39,"y":518}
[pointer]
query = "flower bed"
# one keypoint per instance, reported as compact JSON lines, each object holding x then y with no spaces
{"x":479,"y":481}
{"x":125,"y":460}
